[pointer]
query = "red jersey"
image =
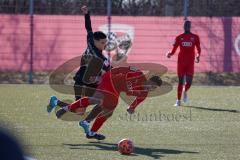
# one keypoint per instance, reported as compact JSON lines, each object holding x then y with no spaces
{"x":125,"y":79}
{"x":187,"y":43}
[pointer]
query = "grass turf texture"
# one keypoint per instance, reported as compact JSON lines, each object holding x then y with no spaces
{"x":208,"y":128}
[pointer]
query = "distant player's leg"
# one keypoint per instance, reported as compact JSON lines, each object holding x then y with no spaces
{"x":189,"y":78}
{"x":187,"y":87}
{"x":179,"y":91}
{"x":181,"y":69}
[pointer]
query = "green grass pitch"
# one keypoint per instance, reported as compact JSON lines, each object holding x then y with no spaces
{"x":208,"y":128}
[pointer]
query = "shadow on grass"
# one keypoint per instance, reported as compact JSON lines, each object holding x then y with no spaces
{"x":151,"y":152}
{"x":214,"y":109}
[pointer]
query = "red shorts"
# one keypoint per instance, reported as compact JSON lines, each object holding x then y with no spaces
{"x":185,"y":69}
{"x":110,"y":95}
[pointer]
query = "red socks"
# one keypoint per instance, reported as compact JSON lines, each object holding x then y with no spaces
{"x":187,"y":86}
{"x":81,"y":103}
{"x":98,"y":122}
{"x":179,"y":91}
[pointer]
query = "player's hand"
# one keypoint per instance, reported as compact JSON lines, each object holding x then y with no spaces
{"x":197,"y":60}
{"x":84,"y":9}
{"x":169,"y":55}
{"x":130,"y":110}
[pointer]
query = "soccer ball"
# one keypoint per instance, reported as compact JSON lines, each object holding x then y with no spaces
{"x":125,"y":146}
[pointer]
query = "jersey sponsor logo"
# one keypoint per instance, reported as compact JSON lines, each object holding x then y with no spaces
{"x":187,"y":44}
{"x":129,"y":85}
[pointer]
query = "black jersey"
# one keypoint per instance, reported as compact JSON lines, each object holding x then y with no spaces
{"x":92,"y":61}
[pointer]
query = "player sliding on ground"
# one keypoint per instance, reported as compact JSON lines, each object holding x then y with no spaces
{"x":123,"y":79}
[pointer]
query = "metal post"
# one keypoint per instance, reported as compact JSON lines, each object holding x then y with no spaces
{"x":31,"y":5}
{"x":185,"y":9}
{"x":109,"y":14}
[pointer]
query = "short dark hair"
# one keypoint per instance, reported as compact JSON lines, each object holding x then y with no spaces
{"x":99,"y":35}
{"x":157,"y":80}
{"x":187,"y":22}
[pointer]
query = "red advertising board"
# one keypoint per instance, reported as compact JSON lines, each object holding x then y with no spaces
{"x":60,"y":38}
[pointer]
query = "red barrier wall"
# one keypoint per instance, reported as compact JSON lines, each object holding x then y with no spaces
{"x":60,"y":38}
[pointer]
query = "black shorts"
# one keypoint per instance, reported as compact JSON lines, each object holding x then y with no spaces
{"x":82,"y":89}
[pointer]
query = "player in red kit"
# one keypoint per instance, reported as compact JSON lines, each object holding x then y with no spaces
{"x":185,"y":66}
{"x":122,"y":79}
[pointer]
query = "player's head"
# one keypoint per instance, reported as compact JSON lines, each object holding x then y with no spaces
{"x":153,"y":83}
{"x":100,"y":40}
{"x":187,"y":26}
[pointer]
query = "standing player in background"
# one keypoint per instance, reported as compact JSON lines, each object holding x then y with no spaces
{"x":123,"y":79}
{"x":93,"y":62}
{"x":185,"y":67}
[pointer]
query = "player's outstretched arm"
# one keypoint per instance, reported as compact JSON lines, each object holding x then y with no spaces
{"x":88,"y":25}
{"x":84,"y":9}
{"x":135,"y":104}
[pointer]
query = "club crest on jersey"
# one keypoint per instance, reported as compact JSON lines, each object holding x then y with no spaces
{"x":187,"y":44}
